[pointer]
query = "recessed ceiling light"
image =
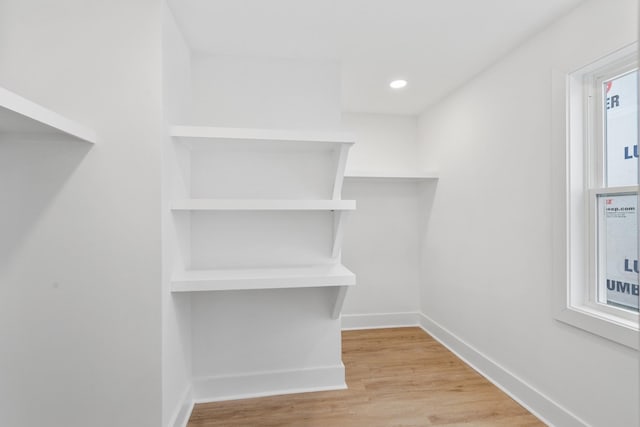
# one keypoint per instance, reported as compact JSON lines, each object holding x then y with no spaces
{"x":398,"y":84}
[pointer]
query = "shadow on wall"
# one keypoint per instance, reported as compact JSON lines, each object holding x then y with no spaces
{"x":33,"y":170}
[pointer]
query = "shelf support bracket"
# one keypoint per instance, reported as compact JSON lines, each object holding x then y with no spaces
{"x":339,"y":219}
{"x":342,"y":164}
{"x":341,"y":293}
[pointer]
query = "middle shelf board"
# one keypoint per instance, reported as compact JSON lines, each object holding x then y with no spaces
{"x":262,"y":205}
{"x":262,"y":278}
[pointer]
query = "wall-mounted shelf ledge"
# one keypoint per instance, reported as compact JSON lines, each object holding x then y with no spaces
{"x":257,"y":135}
{"x":262,"y":278}
{"x":18,"y":115}
{"x":261,"y":205}
{"x":409,"y":176}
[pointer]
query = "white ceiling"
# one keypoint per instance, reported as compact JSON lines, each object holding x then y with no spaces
{"x":435,"y":44}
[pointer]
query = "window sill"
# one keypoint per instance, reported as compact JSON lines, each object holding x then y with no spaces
{"x":612,"y":328}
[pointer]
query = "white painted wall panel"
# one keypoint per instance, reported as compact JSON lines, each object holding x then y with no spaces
{"x":382,"y":246}
{"x":248,"y":171}
{"x":260,"y":239}
{"x":487,"y":273}
{"x":386,"y":143}
{"x":265,"y":93}
{"x":246,"y":332}
{"x":382,"y":241}
{"x":79,"y":249}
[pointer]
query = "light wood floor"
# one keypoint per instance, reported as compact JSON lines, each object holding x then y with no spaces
{"x":396,"y":377}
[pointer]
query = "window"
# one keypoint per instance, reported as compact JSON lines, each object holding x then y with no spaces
{"x":614,"y":178}
{"x":598,"y":286}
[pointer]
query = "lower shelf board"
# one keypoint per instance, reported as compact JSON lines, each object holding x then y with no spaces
{"x":262,"y":278}
{"x":391,"y":176}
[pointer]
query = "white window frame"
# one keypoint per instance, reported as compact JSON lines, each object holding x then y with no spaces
{"x":578,"y":178}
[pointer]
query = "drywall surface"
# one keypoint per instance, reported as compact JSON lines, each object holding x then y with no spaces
{"x":176,"y":308}
{"x":381,"y":243}
{"x":264,"y":335}
{"x":80,"y":250}
{"x":385,"y":142}
{"x":382,"y":246}
{"x":487,"y":274}
{"x":265,"y":93}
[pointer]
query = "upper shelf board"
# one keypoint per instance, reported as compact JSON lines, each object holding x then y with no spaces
{"x":18,"y":115}
{"x":409,"y":176}
{"x":257,"y":135}
{"x":261,"y":205}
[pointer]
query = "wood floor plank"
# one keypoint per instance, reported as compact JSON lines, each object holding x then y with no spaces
{"x":396,"y":377}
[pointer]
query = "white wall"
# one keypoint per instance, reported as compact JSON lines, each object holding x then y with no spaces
{"x":245,"y":334}
{"x":381,"y":243}
{"x":382,"y":246}
{"x":80,"y":251}
{"x":488,"y":267}
{"x":265,"y":93}
{"x":385,"y":142}
{"x":176,"y":308}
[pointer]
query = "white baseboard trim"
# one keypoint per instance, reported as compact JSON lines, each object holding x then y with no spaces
{"x":379,"y":320}
{"x":272,"y":383}
{"x":533,"y":400}
{"x":183,"y":412}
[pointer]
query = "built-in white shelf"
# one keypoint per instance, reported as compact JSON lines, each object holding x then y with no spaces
{"x":262,"y":278}
{"x":262,"y":205}
{"x":409,"y":176}
{"x":18,"y":115}
{"x":247,"y":166}
{"x":259,"y":135}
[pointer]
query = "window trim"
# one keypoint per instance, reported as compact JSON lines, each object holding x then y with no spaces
{"x":573,"y":192}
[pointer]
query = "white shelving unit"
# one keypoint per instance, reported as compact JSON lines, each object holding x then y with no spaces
{"x":18,"y":115}
{"x":249,"y":168}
